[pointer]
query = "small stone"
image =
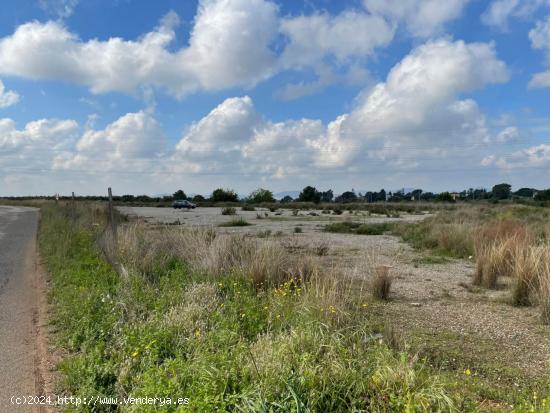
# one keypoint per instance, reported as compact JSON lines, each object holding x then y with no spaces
{"x":416,"y":304}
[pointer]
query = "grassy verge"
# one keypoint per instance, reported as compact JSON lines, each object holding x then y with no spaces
{"x":222,"y":339}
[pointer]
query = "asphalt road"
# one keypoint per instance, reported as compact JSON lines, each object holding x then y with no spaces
{"x":18,"y":306}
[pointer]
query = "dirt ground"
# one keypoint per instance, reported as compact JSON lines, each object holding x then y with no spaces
{"x":433,"y":303}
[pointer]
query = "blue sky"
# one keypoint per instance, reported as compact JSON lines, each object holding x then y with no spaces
{"x":149,"y":97}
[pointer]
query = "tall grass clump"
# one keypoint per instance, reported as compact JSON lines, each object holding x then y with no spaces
{"x":496,"y":246}
{"x":236,"y":222}
{"x":527,"y":265}
{"x":381,"y":283}
{"x":543,"y":282}
{"x":512,"y":249}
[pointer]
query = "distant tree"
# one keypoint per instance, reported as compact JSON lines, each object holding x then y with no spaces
{"x":382,"y":195}
{"x":310,"y":194}
{"x":199,"y":198}
{"x":327,"y":196}
{"x":480,"y":193}
{"x":143,"y":198}
{"x":427,"y":196}
{"x":525,"y":192}
{"x":445,"y":197}
{"x":348,"y":196}
{"x":261,"y":195}
{"x":286,"y":199}
{"x":127,"y":198}
{"x":543,"y":195}
{"x":179,"y":195}
{"x":224,"y":195}
{"x":397,"y":196}
{"x":416,"y":194}
{"x":501,"y":191}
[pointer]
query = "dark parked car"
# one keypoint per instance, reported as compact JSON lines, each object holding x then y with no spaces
{"x":180,"y":204}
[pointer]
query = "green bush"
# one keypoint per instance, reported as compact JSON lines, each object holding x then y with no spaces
{"x":236,"y":222}
{"x":229,"y":211}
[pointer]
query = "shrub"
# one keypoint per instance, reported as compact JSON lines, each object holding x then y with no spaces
{"x":381,"y":283}
{"x":248,"y":207}
{"x":373,"y":229}
{"x":349,"y":227}
{"x":297,"y":230}
{"x":229,"y":211}
{"x":236,"y":222}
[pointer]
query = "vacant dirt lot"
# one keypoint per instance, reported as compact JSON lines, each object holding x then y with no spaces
{"x":262,"y":218}
{"x":433,"y":304}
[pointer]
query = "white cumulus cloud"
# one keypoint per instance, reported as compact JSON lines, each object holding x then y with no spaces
{"x":500,"y":12}
{"x":540,"y":39}
{"x":413,"y":114}
{"x":537,"y":156}
{"x":7,"y":97}
{"x":228,"y":46}
{"x":133,"y":140}
{"x":422,"y":18}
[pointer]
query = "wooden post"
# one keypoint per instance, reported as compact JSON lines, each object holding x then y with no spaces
{"x":73,"y":207}
{"x":112,"y":215}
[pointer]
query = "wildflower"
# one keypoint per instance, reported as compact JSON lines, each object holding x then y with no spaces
{"x":365,"y":305}
{"x":467,"y":372}
{"x":135,"y":353}
{"x":197,"y":333}
{"x":243,"y":315}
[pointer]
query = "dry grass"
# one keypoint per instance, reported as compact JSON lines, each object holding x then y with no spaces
{"x":526,"y":270}
{"x":510,"y":249}
{"x":496,"y":246}
{"x":543,"y":283}
{"x":381,"y":283}
{"x":205,"y":251}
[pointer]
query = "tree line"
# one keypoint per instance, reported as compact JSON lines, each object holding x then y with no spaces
{"x":311,"y":194}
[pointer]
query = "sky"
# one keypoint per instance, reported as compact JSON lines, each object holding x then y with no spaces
{"x":150,"y":97}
